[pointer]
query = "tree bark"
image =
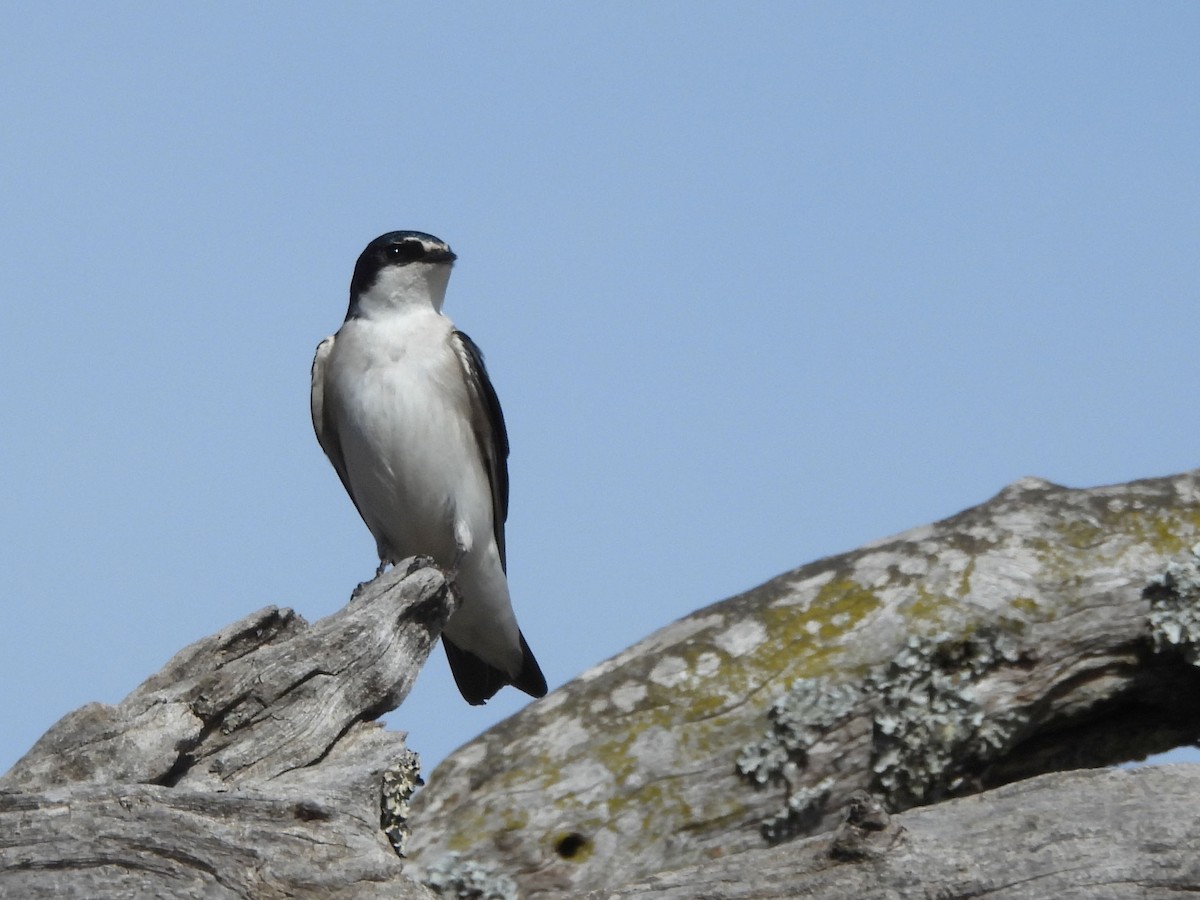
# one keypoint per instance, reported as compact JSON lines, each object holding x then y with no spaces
{"x":941,"y":671}
{"x":1091,"y":835}
{"x":1046,"y":629}
{"x":248,"y":767}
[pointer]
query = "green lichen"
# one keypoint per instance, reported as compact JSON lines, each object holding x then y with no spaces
{"x":400,"y":781}
{"x":514,"y":821}
{"x":464,"y":879}
{"x":616,"y":755}
{"x":930,"y":729}
{"x":1175,"y":608}
{"x":798,"y":719}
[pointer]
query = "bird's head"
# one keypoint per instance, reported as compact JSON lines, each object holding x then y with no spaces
{"x":399,"y":270}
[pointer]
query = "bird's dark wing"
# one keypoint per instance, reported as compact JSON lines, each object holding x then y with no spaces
{"x":487,"y":422}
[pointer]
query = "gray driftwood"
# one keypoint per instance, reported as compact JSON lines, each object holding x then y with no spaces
{"x":250,"y":766}
{"x":1044,"y":630}
{"x":1087,"y":835}
{"x":934,"y":676}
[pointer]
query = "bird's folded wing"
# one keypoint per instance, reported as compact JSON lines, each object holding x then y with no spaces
{"x":323,"y":422}
{"x":487,"y":422}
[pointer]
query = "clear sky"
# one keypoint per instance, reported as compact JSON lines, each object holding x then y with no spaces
{"x":757,"y":283}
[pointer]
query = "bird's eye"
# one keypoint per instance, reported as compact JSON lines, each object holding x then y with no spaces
{"x":405,"y":251}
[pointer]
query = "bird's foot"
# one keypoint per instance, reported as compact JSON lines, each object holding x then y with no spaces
{"x":419,"y":562}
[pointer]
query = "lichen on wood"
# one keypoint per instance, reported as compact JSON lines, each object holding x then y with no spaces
{"x":1009,"y":640}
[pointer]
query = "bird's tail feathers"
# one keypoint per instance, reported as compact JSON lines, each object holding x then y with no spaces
{"x":479,"y":681}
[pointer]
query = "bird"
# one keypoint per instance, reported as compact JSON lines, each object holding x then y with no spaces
{"x":403,"y":407}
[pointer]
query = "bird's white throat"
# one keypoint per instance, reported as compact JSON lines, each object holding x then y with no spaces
{"x":416,"y":285}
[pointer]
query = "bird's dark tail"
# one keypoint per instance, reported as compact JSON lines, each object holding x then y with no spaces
{"x":478,"y":681}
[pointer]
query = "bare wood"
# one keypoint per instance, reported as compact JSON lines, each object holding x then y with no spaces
{"x":1030,"y":634}
{"x":1092,"y":835}
{"x":1046,"y":629}
{"x":250,"y":766}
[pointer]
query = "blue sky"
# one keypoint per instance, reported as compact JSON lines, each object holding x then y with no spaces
{"x":756,"y":284}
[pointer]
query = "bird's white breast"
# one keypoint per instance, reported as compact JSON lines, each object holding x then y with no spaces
{"x":403,"y":419}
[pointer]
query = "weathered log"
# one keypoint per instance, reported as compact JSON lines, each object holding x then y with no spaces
{"x":1034,"y":633}
{"x":250,"y":766}
{"x":1092,"y":835}
{"x":1046,"y":629}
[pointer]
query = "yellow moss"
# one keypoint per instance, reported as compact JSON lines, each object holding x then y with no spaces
{"x":804,"y":639}
{"x":928,"y":608}
{"x":616,"y":756}
{"x":1029,"y":607}
{"x":803,"y":642}
{"x":466,"y":831}
{"x":1115,"y":530}
{"x":514,"y":820}
{"x":1167,"y":533}
{"x":926,"y":605}
{"x":843,"y":597}
{"x":1081,"y":535}
{"x":964,"y":584}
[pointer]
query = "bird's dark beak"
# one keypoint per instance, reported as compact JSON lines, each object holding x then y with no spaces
{"x":440,"y":256}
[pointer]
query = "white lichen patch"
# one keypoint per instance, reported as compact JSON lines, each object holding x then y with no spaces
{"x":569,"y":733}
{"x":1030,"y":483}
{"x":664,"y":639}
{"x":996,"y":575}
{"x":1175,"y":608}
{"x":669,"y":671}
{"x":470,"y":756}
{"x":953,"y":564}
{"x":588,"y":780}
{"x":874,"y":570}
{"x":707,"y":665}
{"x":656,"y":751}
{"x":626,"y":696}
{"x":802,"y":590}
{"x":741,"y":637}
{"x":549,"y":704}
{"x":912,"y":565}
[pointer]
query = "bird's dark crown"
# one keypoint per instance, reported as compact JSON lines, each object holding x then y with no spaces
{"x":397,"y":248}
